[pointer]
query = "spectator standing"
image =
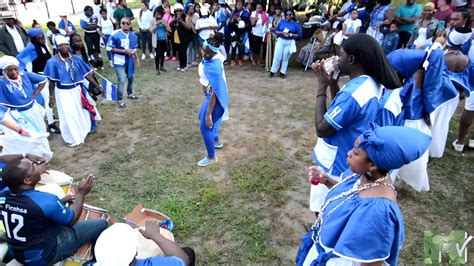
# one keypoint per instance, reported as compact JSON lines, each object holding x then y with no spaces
{"x":378,"y":17}
{"x":123,"y":44}
{"x":122,"y":11}
{"x":288,"y":31}
{"x":110,"y":5}
{"x":205,"y":26}
{"x":191,"y":19}
{"x":171,"y":47}
{"x":91,"y":33}
{"x":258,"y":19}
{"x":238,"y":22}
{"x":424,"y":29}
{"x":12,"y":38}
{"x":182,"y":35}
{"x":443,"y":11}
{"x":106,"y":27}
{"x":52,"y":33}
{"x":406,"y":17}
{"x":145,"y":19}
{"x":271,"y":37}
{"x":66,"y":25}
{"x":160,"y":30}
{"x":97,"y":6}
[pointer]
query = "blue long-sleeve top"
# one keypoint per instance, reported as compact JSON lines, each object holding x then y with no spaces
{"x":292,"y":26}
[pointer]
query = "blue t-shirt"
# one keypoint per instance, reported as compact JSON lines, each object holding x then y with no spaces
{"x":292,"y":26}
{"x":351,"y":112}
{"x":67,"y":77}
{"x":32,"y":219}
{"x":161,"y":261}
{"x":407,"y":12}
{"x":70,"y":26}
{"x":161,"y":32}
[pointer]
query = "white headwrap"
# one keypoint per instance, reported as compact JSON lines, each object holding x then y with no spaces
{"x":6,"y":61}
{"x":61,"y":40}
{"x":116,"y":246}
{"x":456,"y":38}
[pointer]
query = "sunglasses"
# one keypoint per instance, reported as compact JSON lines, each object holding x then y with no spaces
{"x":125,"y":23}
{"x":289,"y":14}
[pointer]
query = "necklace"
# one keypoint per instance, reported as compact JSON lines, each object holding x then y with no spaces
{"x":348,"y":194}
{"x":17,"y":84}
{"x":70,"y":68}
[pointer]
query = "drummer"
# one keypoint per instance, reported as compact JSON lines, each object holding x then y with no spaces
{"x":40,"y":229}
{"x":118,"y":246}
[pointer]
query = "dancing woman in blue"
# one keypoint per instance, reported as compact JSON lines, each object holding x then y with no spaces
{"x":211,"y":71}
{"x":360,"y":220}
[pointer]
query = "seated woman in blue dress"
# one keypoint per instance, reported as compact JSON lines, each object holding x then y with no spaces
{"x":18,"y":92}
{"x":360,"y":220}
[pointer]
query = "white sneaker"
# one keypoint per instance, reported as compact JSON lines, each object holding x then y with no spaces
{"x":471,"y":143}
{"x":206,"y":161}
{"x":152,"y":56}
{"x":143,"y":56}
{"x":218,"y":144}
{"x":458,"y":147}
{"x":111,"y":64}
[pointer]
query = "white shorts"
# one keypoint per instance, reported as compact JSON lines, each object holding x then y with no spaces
{"x":469,"y":104}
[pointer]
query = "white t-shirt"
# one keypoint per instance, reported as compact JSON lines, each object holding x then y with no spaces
{"x":144,"y":22}
{"x":110,"y":6}
{"x":257,"y":30}
{"x":96,"y":9}
{"x":54,"y":35}
{"x":20,"y":46}
{"x":352,"y":25}
{"x":107,"y":26}
{"x":204,"y":23}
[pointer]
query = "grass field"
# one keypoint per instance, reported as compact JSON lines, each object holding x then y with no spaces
{"x":250,"y":207}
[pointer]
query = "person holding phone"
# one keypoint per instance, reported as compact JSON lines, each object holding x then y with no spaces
{"x":159,"y":29}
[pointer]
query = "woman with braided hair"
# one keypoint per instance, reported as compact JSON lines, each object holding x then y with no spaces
{"x":212,"y":79}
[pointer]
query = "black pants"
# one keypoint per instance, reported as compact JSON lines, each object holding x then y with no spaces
{"x":239,"y":46}
{"x":404,"y":38}
{"x":92,"y":42}
{"x":182,"y":54}
{"x":145,"y":39}
{"x":255,"y":45}
{"x":160,"y":54}
{"x":171,"y":48}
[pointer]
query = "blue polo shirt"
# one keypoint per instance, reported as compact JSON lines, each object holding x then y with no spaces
{"x":32,"y":219}
{"x":407,"y":11}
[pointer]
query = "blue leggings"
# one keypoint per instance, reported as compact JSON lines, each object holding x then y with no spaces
{"x":210,"y":135}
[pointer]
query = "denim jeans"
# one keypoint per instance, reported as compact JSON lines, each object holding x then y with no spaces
{"x":191,"y":52}
{"x":70,"y":239}
{"x":122,"y":76}
{"x":281,"y":55}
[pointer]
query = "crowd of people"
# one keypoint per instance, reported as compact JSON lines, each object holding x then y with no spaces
{"x":407,"y":69}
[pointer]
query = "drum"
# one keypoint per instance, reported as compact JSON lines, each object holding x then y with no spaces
{"x":56,"y":177}
{"x":84,"y":254}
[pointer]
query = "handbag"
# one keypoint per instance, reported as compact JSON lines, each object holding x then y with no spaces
{"x":293,"y":47}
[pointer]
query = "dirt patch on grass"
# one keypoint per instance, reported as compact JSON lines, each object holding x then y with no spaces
{"x":249,"y":208}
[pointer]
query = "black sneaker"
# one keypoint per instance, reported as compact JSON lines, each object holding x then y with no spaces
{"x":162,"y":69}
{"x":282,"y":76}
{"x":132,"y":97}
{"x":271,"y":75}
{"x":54,"y":129}
{"x":158,"y":72}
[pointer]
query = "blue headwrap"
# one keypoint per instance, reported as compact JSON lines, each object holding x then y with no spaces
{"x":34,"y":32}
{"x":392,"y":147}
{"x":406,"y":61}
{"x":208,"y":45}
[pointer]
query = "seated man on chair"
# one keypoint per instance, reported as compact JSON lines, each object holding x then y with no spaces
{"x":40,"y":229}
